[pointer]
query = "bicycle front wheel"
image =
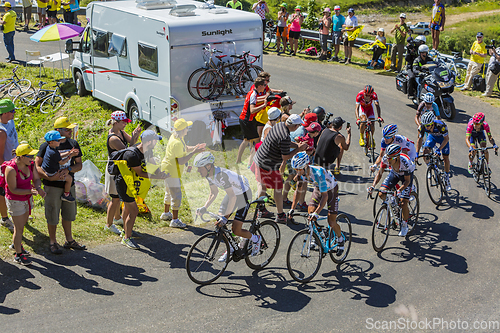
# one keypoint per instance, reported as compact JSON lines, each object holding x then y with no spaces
{"x":269,"y":39}
{"x":19,"y":87}
{"x":434,"y":185}
{"x":247,"y":78}
{"x":414,"y":209}
{"x":372,"y":147}
{"x":210,"y":85}
{"x":486,"y":178}
{"x":381,"y":228}
{"x":304,"y":255}
{"x":25,"y":99}
{"x":270,"y":233}
{"x":205,"y":262}
{"x":52,"y":103}
{"x":301,"y":44}
{"x":193,"y":80}
{"x":345,"y":226}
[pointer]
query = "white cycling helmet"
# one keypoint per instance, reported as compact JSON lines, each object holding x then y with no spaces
{"x":300,"y":160}
{"x":423,"y":48}
{"x":421,"y":39}
{"x":203,"y":159}
{"x":429,"y":98}
{"x":393,"y":150}
{"x":427,"y":118}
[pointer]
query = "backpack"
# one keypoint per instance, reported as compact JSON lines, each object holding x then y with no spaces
{"x":478,"y":83}
{"x":311,"y":51}
{"x":117,"y":156}
{"x":4,"y":165}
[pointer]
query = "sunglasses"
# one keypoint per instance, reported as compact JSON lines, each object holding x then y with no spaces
{"x":29,"y":156}
{"x":392,"y":158}
{"x":427,"y":126}
{"x":478,"y":124}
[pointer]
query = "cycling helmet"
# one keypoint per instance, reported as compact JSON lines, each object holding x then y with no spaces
{"x":478,"y":118}
{"x":427,"y":118}
{"x":421,"y":39}
{"x":203,"y":159}
{"x":429,"y":98}
{"x":389,"y":131}
{"x":423,"y":48}
{"x":300,"y":160}
{"x":393,"y":150}
{"x":368,"y":89}
{"x":320,"y":112}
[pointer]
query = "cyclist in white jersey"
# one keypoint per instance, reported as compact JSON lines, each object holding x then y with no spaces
{"x":325,"y":193}
{"x":390,"y":136}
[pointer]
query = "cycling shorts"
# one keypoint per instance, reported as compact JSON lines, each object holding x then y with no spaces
{"x":432,"y":140}
{"x":435,"y":26}
{"x":241,"y":205}
{"x":477,"y":138}
{"x":332,"y":202}
{"x":294,"y":34}
{"x":367,"y":111}
{"x":390,"y":183}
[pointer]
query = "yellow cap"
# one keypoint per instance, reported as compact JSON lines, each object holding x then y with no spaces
{"x":63,"y":122}
{"x":7,"y":4}
{"x":25,"y":149}
{"x":181,"y":124}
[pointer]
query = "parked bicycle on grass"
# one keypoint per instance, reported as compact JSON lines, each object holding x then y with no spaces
{"x":14,"y":85}
{"x":50,"y":99}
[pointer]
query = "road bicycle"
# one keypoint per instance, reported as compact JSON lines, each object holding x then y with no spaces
{"x":435,"y":177}
{"x":309,"y":246}
{"x":14,"y":85}
{"x":50,"y":99}
{"x":389,"y":216}
{"x":415,"y":188}
{"x":481,"y":169}
{"x":207,"y":259}
{"x":369,"y":140}
{"x":235,"y":78}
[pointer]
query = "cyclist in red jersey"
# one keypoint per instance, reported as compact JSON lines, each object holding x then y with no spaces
{"x":365,"y":100}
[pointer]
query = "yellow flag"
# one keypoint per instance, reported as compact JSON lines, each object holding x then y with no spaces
{"x":352,"y":35}
{"x":136,"y":186}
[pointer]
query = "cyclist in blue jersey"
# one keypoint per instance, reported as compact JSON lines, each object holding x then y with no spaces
{"x":427,"y":104}
{"x":325,"y":192}
{"x":390,"y":136}
{"x":402,"y":169}
{"x":437,"y":133}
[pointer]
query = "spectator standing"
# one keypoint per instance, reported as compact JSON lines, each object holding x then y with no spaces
{"x":52,"y":8}
{"x":338,"y":21}
{"x":437,"y":22}
{"x":54,"y":188}
{"x":324,"y":33}
{"x":281,"y":32}
{"x":477,"y":55}
{"x":42,"y":12}
{"x":493,"y":67}
{"x":8,"y":22}
{"x":8,"y":142}
{"x":350,"y":24}
{"x":331,"y":145}
{"x":260,"y":8}
{"x":136,"y":161}
{"x":117,"y":139}
{"x":176,"y":156}
{"x":377,"y":50}
{"x":69,"y":11}
{"x":294,"y":34}
{"x":27,"y":8}
{"x":271,"y":158}
{"x":400,"y":31}
{"x":234,"y":4}
{"x":22,"y":182}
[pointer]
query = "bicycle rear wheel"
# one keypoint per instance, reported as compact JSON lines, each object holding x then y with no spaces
{"x":486,"y":178}
{"x":19,"y":87}
{"x":345,"y":225}
{"x":202,"y":262}
{"x":270,"y":233}
{"x":270,"y":39}
{"x":434,"y":185}
{"x":210,"y":85}
{"x":371,"y":147}
{"x":414,"y":208}
{"x":247,"y":78}
{"x":301,"y":44}
{"x":381,"y":228}
{"x":192,"y":82}
{"x":304,"y":255}
{"x":51,"y":103}
{"x":25,"y":99}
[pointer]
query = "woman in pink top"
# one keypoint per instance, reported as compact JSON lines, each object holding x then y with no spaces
{"x":22,"y":182}
{"x":296,"y":21}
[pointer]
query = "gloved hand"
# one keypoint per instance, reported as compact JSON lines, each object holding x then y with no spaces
{"x":373,"y":167}
{"x":313,"y":216}
{"x":290,"y":213}
{"x":222,"y":221}
{"x":380,"y":119}
{"x":370,"y":189}
{"x":438,"y":152}
{"x":201,"y":210}
{"x":472,"y":148}
{"x":357,"y":122}
{"x":495,"y":146}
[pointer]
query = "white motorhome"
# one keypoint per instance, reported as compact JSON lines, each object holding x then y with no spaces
{"x":138,"y":56}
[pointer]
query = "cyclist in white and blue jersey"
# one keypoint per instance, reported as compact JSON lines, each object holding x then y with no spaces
{"x":390,"y":136}
{"x":402,"y":169}
{"x":426,"y":105}
{"x":325,"y":193}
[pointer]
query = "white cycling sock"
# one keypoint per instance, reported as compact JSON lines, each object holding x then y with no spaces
{"x":254,"y":238}
{"x":340,"y":239}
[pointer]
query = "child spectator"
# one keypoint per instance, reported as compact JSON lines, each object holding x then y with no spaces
{"x":53,"y":160}
{"x":313,"y":131}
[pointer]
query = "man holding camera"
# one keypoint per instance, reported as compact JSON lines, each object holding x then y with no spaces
{"x":332,"y":144}
{"x":477,"y":55}
{"x":260,"y":8}
{"x":493,"y":69}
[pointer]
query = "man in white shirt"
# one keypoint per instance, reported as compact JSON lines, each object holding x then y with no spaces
{"x":351,"y":24}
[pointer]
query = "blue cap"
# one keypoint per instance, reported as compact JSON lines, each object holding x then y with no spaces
{"x":53,"y":136}
{"x":149,"y":135}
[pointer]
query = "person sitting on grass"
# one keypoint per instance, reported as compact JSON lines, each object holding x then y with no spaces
{"x":53,"y":160}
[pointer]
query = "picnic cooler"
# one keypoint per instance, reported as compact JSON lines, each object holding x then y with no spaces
{"x":402,"y":83}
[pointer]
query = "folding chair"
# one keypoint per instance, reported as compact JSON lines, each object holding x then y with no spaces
{"x":35,"y":61}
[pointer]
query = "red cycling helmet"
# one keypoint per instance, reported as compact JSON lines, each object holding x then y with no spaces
{"x":478,"y":118}
{"x":368,"y":90}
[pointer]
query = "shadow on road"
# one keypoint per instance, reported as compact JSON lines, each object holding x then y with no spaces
{"x":13,"y":277}
{"x":455,"y":201}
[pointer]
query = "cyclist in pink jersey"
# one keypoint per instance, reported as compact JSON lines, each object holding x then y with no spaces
{"x":475,"y":133}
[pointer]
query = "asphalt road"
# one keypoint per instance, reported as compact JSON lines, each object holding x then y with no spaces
{"x":448,"y":271}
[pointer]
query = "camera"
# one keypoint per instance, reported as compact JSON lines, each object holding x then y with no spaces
{"x":321,"y":25}
{"x":492,"y":46}
{"x":326,"y":120}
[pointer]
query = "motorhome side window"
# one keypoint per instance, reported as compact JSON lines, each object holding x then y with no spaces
{"x":148,"y":58}
{"x":117,"y":45}
{"x":85,"y":41}
{"x":100,"y":40}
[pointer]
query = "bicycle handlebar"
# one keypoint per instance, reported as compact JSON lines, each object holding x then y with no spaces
{"x":486,"y":148}
{"x":370,"y":121}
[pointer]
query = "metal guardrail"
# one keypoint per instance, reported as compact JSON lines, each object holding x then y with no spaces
{"x":19,"y":11}
{"x":314,"y":35}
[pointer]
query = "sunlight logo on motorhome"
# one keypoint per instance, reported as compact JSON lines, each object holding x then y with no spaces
{"x":217,"y":32}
